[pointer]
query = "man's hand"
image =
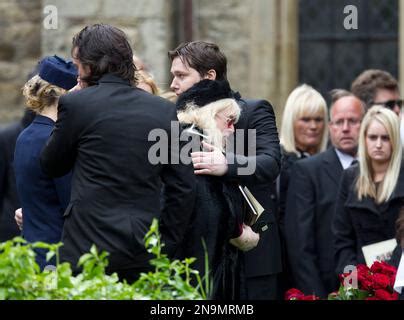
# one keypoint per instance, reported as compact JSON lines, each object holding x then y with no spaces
{"x":18,"y":217}
{"x":211,"y":162}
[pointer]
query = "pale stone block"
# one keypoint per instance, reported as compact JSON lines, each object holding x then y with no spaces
{"x":75,"y":8}
{"x":133,"y":8}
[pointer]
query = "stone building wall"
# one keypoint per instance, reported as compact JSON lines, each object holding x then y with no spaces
{"x":258,"y":37}
{"x":25,"y":39}
{"x":19,"y":51}
{"x":146,"y":23}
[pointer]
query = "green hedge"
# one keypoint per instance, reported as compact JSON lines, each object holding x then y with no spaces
{"x":21,"y":277}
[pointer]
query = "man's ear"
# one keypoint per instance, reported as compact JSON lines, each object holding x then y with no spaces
{"x":211,"y":74}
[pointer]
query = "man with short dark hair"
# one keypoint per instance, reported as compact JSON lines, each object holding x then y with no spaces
{"x":378,"y":87}
{"x":199,"y":76}
{"x":102,"y":134}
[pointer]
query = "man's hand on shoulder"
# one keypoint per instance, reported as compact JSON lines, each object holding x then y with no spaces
{"x":211,"y":162}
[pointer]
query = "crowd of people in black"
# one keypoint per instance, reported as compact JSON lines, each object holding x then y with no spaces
{"x":79,"y":168}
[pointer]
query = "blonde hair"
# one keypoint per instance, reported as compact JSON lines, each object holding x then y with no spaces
{"x":169,"y":95}
{"x":146,"y":78}
{"x":40,"y":94}
{"x":302,"y":101}
{"x":204,"y":118}
{"x":365,"y":186}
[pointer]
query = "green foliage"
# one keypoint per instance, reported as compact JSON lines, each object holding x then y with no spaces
{"x":21,"y":277}
{"x":349,"y":294}
{"x":170,"y":280}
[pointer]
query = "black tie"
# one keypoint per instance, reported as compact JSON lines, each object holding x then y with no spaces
{"x":354,"y":161}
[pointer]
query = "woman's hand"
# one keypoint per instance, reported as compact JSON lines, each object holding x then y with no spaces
{"x":247,"y":240}
{"x":18,"y":217}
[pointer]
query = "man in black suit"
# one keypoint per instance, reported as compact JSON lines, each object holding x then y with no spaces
{"x":102,"y":134}
{"x":311,"y":199}
{"x":256,"y":165}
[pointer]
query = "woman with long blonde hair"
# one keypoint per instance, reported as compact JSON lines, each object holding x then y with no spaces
{"x":371,"y":193}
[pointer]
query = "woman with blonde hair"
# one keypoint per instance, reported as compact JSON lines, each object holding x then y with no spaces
{"x":209,"y":120}
{"x":303,"y":133}
{"x":371,"y":193}
{"x":43,"y":199}
{"x":217,"y":222}
{"x":304,"y":121}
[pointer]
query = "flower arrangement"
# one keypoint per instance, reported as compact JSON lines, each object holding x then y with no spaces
{"x":374,"y":283}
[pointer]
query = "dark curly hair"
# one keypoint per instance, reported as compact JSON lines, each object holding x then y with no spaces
{"x":369,"y":81}
{"x":104,"y":49}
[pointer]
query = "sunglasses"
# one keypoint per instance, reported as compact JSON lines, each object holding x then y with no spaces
{"x":230,"y":121}
{"x":390,"y":104}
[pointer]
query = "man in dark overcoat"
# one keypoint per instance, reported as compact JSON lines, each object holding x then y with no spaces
{"x":103,"y":133}
{"x":255,"y":164}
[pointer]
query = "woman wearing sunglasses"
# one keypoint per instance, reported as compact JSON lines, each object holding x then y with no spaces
{"x":216,"y":225}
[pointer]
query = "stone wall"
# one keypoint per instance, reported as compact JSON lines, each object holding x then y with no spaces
{"x":146,"y":23}
{"x":25,"y":38}
{"x":258,"y":37}
{"x":20,"y":47}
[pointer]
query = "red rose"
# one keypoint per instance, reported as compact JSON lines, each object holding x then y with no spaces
{"x":293,"y":294}
{"x":364,"y":274}
{"x":362,"y":269}
{"x":381,"y":294}
{"x":380,"y":281}
{"x":383,"y":267}
{"x":376,"y":267}
{"x":365,"y":280}
{"x":311,"y":297}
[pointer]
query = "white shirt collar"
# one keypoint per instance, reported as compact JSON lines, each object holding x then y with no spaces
{"x":344,"y":158}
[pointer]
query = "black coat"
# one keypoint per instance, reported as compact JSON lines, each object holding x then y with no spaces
{"x":9,"y":201}
{"x":263,"y":155}
{"x":265,"y":259}
{"x":310,"y":206}
{"x":360,"y":223}
{"x":102,"y":133}
{"x":288,"y":160}
{"x":217,"y":216}
{"x":8,"y":191}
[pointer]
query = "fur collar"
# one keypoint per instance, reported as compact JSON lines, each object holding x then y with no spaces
{"x":206,"y":91}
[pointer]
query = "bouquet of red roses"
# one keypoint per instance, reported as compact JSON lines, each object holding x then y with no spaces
{"x":375,"y":283}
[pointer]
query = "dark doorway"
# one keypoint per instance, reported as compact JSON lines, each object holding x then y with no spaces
{"x":331,"y":56}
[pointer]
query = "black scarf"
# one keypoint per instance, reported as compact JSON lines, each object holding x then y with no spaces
{"x":206,"y":91}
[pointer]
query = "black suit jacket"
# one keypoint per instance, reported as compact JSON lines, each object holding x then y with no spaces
{"x":102,"y":133}
{"x":265,"y":259}
{"x":310,"y":205}
{"x":9,"y":201}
